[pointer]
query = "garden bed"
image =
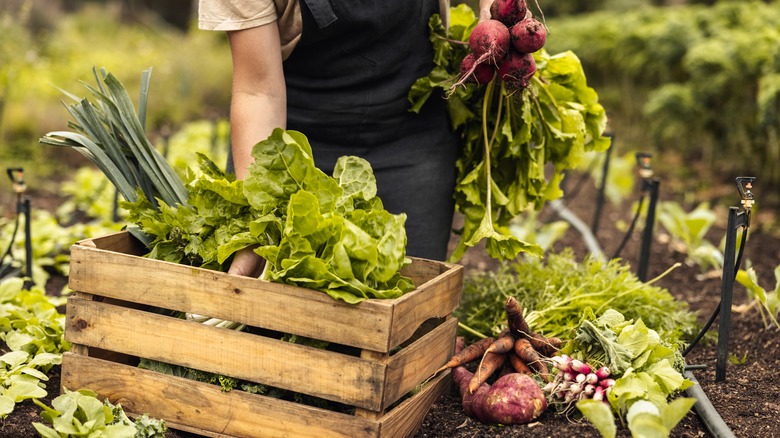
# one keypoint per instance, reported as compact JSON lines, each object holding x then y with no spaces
{"x":746,"y":401}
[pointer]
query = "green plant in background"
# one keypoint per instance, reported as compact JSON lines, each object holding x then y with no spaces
{"x":32,"y":329}
{"x":81,"y":414}
{"x":706,"y":78}
{"x":620,"y":174}
{"x":63,"y":49}
{"x":769,"y":301}
{"x":688,"y":231}
{"x":528,"y":228}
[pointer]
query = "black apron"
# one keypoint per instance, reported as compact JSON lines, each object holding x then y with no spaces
{"x":347,"y":85}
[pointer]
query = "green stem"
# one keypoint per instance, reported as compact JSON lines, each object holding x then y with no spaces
{"x":626,"y":292}
{"x":496,"y":128}
{"x":470,"y":330}
{"x":488,"y":178}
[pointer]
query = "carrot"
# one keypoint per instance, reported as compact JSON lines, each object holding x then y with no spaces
{"x":514,"y":316}
{"x":545,"y":346}
{"x":518,"y":365}
{"x":525,"y":351}
{"x":503,"y":343}
{"x":466,"y":355}
{"x":519,"y":327}
{"x":488,"y":365}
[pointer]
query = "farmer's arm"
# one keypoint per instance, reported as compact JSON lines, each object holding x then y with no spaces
{"x":259,"y":101}
{"x":258,"y":105}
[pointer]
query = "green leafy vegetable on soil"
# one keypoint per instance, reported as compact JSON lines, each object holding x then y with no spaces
{"x":647,"y":370}
{"x":516,"y":145}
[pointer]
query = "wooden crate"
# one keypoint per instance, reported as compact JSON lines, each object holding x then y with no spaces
{"x":386,"y":347}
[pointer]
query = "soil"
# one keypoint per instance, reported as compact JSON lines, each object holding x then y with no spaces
{"x":746,"y":400}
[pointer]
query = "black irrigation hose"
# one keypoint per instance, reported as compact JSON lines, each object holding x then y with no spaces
{"x":712,"y":420}
{"x":716,"y":312}
{"x":630,"y":227}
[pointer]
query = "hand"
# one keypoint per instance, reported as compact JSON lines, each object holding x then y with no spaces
{"x":484,"y":9}
{"x":247,"y":263}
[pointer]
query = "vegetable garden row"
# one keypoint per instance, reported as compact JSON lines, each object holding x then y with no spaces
{"x":580,"y":338}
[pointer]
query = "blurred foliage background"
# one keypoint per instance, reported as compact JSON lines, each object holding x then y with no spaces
{"x":696,"y":83}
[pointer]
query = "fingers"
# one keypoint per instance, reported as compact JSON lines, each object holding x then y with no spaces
{"x":484,"y":9}
{"x":247,"y":263}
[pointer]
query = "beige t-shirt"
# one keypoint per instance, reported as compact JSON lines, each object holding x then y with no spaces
{"x":243,"y":14}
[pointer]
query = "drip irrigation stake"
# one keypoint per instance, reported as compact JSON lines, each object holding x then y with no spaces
{"x":647,"y":234}
{"x":16,"y":175}
{"x":736,"y":219}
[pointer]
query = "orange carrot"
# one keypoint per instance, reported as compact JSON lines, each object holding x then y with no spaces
{"x":545,"y":346}
{"x":466,"y":355}
{"x":487,"y":366}
{"x":525,"y":351}
{"x":503,"y":343}
{"x":518,"y":365}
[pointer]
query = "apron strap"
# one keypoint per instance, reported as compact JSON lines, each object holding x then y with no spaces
{"x":322,"y":11}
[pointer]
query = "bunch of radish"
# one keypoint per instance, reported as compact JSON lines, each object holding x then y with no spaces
{"x":577,"y":380}
{"x":516,"y":357}
{"x":502,"y":46}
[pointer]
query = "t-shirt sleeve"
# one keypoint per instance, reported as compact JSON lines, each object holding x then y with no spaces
{"x":235,"y":14}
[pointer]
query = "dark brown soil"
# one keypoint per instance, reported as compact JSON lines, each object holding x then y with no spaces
{"x":746,"y":400}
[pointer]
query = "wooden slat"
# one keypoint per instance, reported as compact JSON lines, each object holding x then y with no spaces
{"x":406,"y":418}
{"x":326,"y":374}
{"x":419,"y":361}
{"x":433,"y":299}
{"x":378,"y":325}
{"x":196,"y":406}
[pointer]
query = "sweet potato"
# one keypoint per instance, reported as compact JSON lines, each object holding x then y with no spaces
{"x":513,"y":399}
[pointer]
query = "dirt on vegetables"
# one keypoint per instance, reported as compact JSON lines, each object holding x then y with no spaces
{"x":746,"y":400}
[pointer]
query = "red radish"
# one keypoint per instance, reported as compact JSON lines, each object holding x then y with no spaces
{"x":580,"y":367}
{"x":508,"y":12}
{"x":480,"y":74}
{"x":513,"y":399}
{"x":607,"y":383}
{"x":517,"y":69}
{"x":489,"y":41}
{"x":529,"y":35}
{"x":602,"y":373}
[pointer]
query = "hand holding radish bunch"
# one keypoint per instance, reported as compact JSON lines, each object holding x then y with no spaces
{"x":503,"y":45}
{"x":577,"y":380}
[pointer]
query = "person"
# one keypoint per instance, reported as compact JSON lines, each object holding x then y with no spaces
{"x":339,"y":71}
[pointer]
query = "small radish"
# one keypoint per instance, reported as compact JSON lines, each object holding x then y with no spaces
{"x":517,"y":69}
{"x":480,"y":74}
{"x":580,"y":367}
{"x":602,"y":373}
{"x":508,"y":12}
{"x":529,"y":35}
{"x":489,"y":41}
